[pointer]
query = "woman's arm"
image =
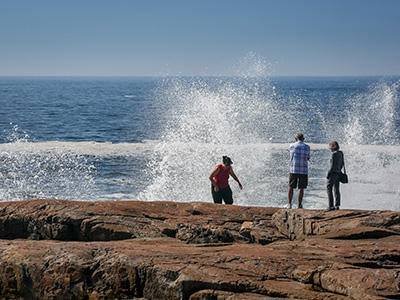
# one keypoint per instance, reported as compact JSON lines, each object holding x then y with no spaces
{"x":342,"y":165}
{"x":235,"y":177}
{"x":211,"y":177}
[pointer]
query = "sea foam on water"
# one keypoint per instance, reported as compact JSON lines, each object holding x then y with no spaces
{"x":31,"y":172}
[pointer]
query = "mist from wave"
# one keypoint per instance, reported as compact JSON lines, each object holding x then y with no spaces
{"x":243,"y":117}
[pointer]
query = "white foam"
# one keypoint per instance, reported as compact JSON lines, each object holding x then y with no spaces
{"x":84,"y":148}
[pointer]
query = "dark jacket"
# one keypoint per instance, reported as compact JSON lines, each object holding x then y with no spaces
{"x":337,"y":163}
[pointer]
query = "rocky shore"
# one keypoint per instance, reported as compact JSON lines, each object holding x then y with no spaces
{"x":54,"y":249}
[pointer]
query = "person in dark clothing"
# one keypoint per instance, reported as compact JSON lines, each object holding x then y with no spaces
{"x":335,"y":170}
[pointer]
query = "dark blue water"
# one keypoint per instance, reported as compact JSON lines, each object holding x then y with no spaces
{"x":152,"y":138}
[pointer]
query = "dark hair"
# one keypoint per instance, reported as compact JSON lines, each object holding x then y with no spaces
{"x":300,"y":136}
{"x":334,"y":146}
{"x":226,"y":160}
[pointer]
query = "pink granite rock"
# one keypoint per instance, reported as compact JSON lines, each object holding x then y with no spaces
{"x":54,"y":249}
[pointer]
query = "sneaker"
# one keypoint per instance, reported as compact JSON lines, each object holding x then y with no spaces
{"x":300,"y":207}
{"x":289,"y":206}
{"x":337,"y":208}
{"x":331,"y":208}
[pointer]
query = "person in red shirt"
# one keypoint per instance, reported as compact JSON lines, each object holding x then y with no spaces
{"x":219,"y":178}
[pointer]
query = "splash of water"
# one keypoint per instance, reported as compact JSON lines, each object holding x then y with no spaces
{"x":372,"y":116}
{"x":247,"y":118}
{"x":209,"y":118}
{"x":27,"y":172}
{"x":252,"y":65}
{"x":373,"y":154}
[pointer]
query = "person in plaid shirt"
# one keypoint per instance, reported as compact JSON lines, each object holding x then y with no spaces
{"x":298,"y":177}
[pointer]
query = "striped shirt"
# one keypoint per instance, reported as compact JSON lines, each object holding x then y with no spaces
{"x":299,"y":156}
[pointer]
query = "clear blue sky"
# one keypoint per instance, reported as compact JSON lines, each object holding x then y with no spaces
{"x":198,"y":37}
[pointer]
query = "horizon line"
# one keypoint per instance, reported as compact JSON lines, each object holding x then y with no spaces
{"x":153,"y":76}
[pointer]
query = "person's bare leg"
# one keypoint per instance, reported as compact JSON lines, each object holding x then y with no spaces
{"x":290,"y":196}
{"x":300,"y":195}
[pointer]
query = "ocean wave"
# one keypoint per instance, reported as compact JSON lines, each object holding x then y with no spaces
{"x":146,"y":147}
{"x":83,"y":148}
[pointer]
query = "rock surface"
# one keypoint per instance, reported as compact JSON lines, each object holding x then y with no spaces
{"x":54,"y":249}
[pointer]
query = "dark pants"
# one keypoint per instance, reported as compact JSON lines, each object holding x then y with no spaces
{"x":333,"y":183}
{"x":223,"y":194}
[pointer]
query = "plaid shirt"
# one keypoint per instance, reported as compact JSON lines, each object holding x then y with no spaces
{"x":299,"y":156}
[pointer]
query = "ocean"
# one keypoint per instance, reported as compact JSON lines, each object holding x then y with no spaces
{"x":159,"y":138}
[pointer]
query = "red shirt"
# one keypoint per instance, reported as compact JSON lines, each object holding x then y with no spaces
{"x":221,"y":179}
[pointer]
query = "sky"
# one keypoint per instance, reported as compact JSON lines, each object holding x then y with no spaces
{"x":199,"y":37}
